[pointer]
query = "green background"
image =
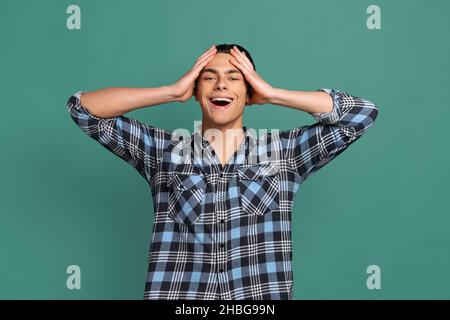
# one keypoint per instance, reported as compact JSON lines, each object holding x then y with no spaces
{"x":66,"y":200}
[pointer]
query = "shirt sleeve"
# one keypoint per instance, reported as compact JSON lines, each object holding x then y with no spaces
{"x":138,"y":144}
{"x":309,"y":148}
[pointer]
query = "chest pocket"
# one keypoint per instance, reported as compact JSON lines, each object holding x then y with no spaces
{"x":186,"y":197}
{"x":259,"y":187}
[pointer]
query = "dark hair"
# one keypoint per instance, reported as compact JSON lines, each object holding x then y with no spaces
{"x":225,"y":48}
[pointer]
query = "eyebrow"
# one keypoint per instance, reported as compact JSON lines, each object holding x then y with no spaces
{"x":229,"y":71}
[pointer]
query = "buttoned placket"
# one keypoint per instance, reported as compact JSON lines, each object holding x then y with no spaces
{"x":221,"y":236}
{"x":220,"y":187}
{"x":220,"y":208}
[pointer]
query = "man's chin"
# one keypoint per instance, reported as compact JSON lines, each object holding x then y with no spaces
{"x":219,"y":116}
{"x":219,"y":122}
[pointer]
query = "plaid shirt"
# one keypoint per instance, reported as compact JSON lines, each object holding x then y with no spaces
{"x":225,"y":233}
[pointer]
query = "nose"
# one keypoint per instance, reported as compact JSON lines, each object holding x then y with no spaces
{"x":221,"y":85}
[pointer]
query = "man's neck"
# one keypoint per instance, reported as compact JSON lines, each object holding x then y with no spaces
{"x":225,"y":139}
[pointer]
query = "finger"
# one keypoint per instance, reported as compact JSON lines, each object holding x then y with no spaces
{"x":201,"y":64}
{"x":250,"y":64}
{"x":241,"y":62}
{"x":242,"y":58}
{"x":207,"y":55}
{"x":207,"y":52}
{"x":239,"y":66}
{"x":204,"y":53}
{"x":195,"y":71}
{"x":247,"y":61}
{"x":243,"y":68}
{"x":235,"y":63}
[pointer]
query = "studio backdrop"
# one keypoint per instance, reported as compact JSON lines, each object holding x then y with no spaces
{"x":373,"y":224}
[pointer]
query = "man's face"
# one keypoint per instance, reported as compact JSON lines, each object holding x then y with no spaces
{"x":220,"y":79}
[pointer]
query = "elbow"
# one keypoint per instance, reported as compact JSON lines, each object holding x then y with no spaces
{"x":86,"y":104}
{"x":373,"y":113}
{"x":368,"y":120}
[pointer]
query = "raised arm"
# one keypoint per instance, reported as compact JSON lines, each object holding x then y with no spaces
{"x":113,"y":102}
{"x":100,"y":115}
{"x":342,"y":119}
{"x":311,"y":147}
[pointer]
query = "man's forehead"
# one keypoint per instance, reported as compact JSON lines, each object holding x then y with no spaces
{"x":220,"y":69}
{"x":221,"y":64}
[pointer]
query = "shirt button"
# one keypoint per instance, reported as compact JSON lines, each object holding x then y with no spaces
{"x":220,"y":195}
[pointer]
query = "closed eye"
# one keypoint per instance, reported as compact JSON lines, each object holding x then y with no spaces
{"x":210,"y":78}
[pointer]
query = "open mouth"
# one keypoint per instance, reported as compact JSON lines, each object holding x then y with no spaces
{"x":221,"y":102}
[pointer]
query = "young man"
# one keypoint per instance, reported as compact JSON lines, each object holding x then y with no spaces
{"x":222,"y":196}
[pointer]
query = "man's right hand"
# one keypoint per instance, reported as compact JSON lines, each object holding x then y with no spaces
{"x":183,"y":89}
{"x":115,"y":101}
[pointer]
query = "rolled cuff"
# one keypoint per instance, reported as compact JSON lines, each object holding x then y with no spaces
{"x":332,"y":116}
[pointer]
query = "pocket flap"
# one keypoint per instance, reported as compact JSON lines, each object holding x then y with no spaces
{"x":258,"y":171}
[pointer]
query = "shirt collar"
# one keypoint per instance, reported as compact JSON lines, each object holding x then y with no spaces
{"x":200,"y":141}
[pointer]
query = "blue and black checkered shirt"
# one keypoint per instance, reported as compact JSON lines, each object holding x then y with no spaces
{"x":225,"y":233}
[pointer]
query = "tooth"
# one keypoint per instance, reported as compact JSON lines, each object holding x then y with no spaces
{"x":223,"y":99}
